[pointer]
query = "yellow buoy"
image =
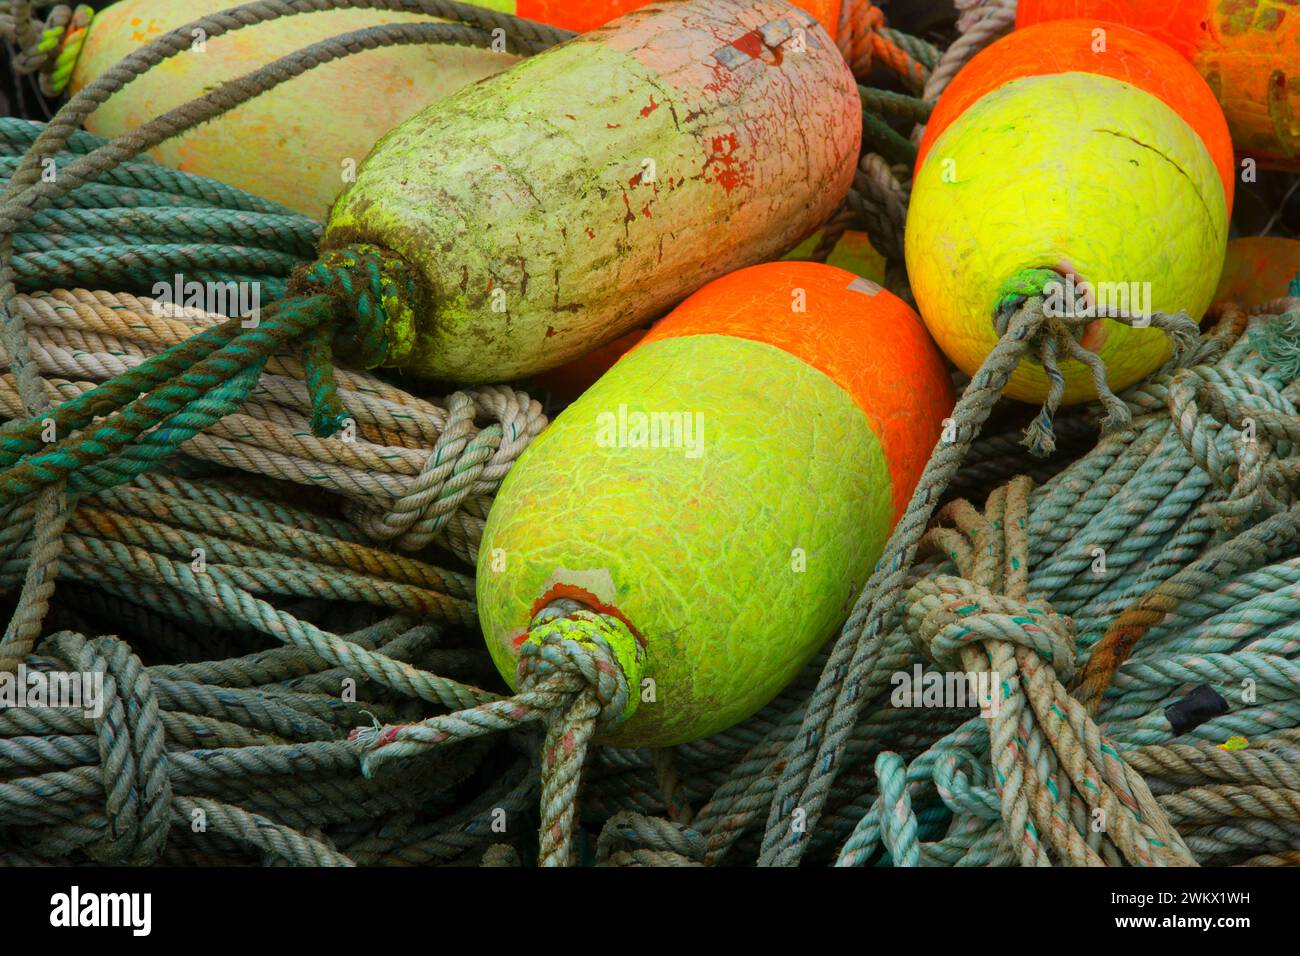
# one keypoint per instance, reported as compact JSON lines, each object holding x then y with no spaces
{"x":1110,"y":172}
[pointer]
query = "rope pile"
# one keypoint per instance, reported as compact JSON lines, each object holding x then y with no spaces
{"x":417,"y":473}
{"x":1137,"y":609}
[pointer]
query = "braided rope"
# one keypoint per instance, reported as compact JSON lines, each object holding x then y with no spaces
{"x":575,"y":668}
{"x":48,"y":48}
{"x":403,"y":494}
{"x":251,"y":740}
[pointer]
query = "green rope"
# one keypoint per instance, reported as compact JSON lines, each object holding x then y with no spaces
{"x":236,"y":678}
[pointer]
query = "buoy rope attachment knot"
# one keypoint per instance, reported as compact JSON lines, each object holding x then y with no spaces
{"x":1058,"y":336}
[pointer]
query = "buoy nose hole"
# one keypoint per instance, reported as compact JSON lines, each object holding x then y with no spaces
{"x":1069,"y":299}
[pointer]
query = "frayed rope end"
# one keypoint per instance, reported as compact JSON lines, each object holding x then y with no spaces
{"x":369,"y":739}
{"x":1039,"y":437}
{"x":1278,"y":342}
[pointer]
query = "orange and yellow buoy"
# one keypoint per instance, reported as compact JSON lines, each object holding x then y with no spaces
{"x":1248,"y":52}
{"x":724,"y":489}
{"x":1104,"y":159}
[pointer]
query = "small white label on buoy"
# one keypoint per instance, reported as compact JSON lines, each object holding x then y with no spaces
{"x":865,"y":286}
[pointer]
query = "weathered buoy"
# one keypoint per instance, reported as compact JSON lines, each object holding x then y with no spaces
{"x":1249,"y":53}
{"x":298,"y":144}
{"x":1111,"y":167}
{"x":1259,"y":269}
{"x":585,"y":191}
{"x":724,"y":489}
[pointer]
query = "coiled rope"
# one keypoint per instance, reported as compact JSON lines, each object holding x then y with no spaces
{"x":832,"y":771}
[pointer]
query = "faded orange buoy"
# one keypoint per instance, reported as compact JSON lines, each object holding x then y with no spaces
{"x":585,"y":191}
{"x":1112,"y":169}
{"x":1259,"y":269}
{"x":1249,"y":54}
{"x":724,"y":489}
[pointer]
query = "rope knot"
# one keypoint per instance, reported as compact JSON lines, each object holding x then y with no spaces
{"x":1244,"y":433}
{"x":132,"y":750}
{"x":597,"y":648}
{"x":448,"y":500}
{"x":376,"y":298}
{"x":51,"y":48}
{"x":948,"y":615}
{"x":1039,"y":737}
{"x":1055,"y":330}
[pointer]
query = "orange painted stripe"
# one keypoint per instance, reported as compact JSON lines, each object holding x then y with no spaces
{"x":1065,"y":46}
{"x":584,"y":15}
{"x":872,"y":345}
{"x":1183,"y":25}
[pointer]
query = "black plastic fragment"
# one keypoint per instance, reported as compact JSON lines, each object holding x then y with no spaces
{"x":1202,"y":704}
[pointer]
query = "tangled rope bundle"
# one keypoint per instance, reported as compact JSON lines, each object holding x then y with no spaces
{"x":1107,"y":604}
{"x":417,"y":473}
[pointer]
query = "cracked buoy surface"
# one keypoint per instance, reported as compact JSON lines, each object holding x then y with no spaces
{"x":1249,"y":54}
{"x":725,"y":489}
{"x":585,"y":191}
{"x":1112,"y":168}
{"x":853,"y":252}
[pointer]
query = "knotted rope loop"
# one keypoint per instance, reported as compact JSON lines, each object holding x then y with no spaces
{"x":563,"y":657}
{"x":1245,"y":434}
{"x":567,"y":641}
{"x":597,"y":648}
{"x":448,"y":499}
{"x":50,"y":48}
{"x":132,"y":750}
{"x":1053,"y":770}
{"x":633,"y":839}
{"x":1058,"y":335}
{"x":949,"y":616}
{"x":376,"y":297}
{"x":575,"y":669}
